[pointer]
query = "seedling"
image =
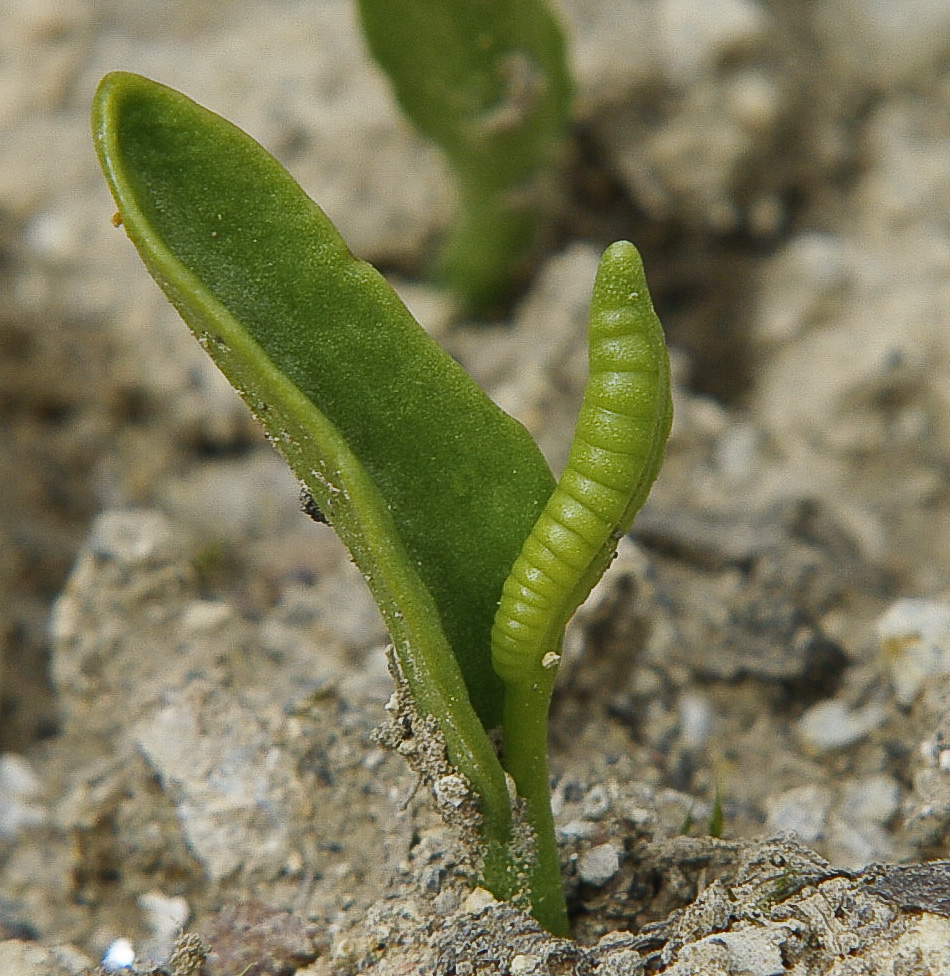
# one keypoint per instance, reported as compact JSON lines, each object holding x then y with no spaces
{"x":488,"y":83}
{"x":475,"y":558}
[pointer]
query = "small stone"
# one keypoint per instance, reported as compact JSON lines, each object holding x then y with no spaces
{"x":738,"y":451}
{"x":166,"y":916}
{"x":696,"y":718}
{"x":477,"y":900}
{"x":598,"y":865}
{"x":522,"y":964}
{"x":54,"y":236}
{"x":576,"y":830}
{"x":234,"y":792}
{"x":748,"y":951}
{"x":852,"y":845}
{"x":870,"y":800}
{"x":205,"y":616}
{"x":119,"y":955}
{"x":445,"y":902}
{"x":802,"y":811}
{"x":830,"y":725}
{"x":596,"y":803}
{"x":914,"y":638}
{"x":620,"y":963}
{"x":131,"y":539}
{"x":451,"y":790}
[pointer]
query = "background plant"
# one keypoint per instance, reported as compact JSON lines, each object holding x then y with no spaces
{"x":431,"y":486}
{"x":488,"y":82}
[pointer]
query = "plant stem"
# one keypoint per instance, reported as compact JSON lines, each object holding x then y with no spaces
{"x":489,"y":249}
{"x":525,"y":756}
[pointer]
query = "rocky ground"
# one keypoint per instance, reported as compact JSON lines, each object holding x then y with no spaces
{"x":192,"y":670}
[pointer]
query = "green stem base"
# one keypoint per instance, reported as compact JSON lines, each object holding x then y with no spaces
{"x":525,"y":756}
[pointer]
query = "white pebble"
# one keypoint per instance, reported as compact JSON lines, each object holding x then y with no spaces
{"x":119,"y":955}
{"x":914,"y":638}
{"x":830,"y":725}
{"x":738,"y":451}
{"x":53,"y":236}
{"x":522,"y":964}
{"x":131,"y":539}
{"x":576,"y":830}
{"x":165,"y":915}
{"x":477,"y":900}
{"x":750,"y":952}
{"x":802,"y":811}
{"x":696,"y":719}
{"x":598,"y":865}
{"x":871,"y":800}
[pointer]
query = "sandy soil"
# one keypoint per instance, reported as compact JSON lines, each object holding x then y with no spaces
{"x":191,"y":669}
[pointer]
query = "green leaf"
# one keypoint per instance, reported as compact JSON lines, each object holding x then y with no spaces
{"x":430,"y":485}
{"x":488,"y":82}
